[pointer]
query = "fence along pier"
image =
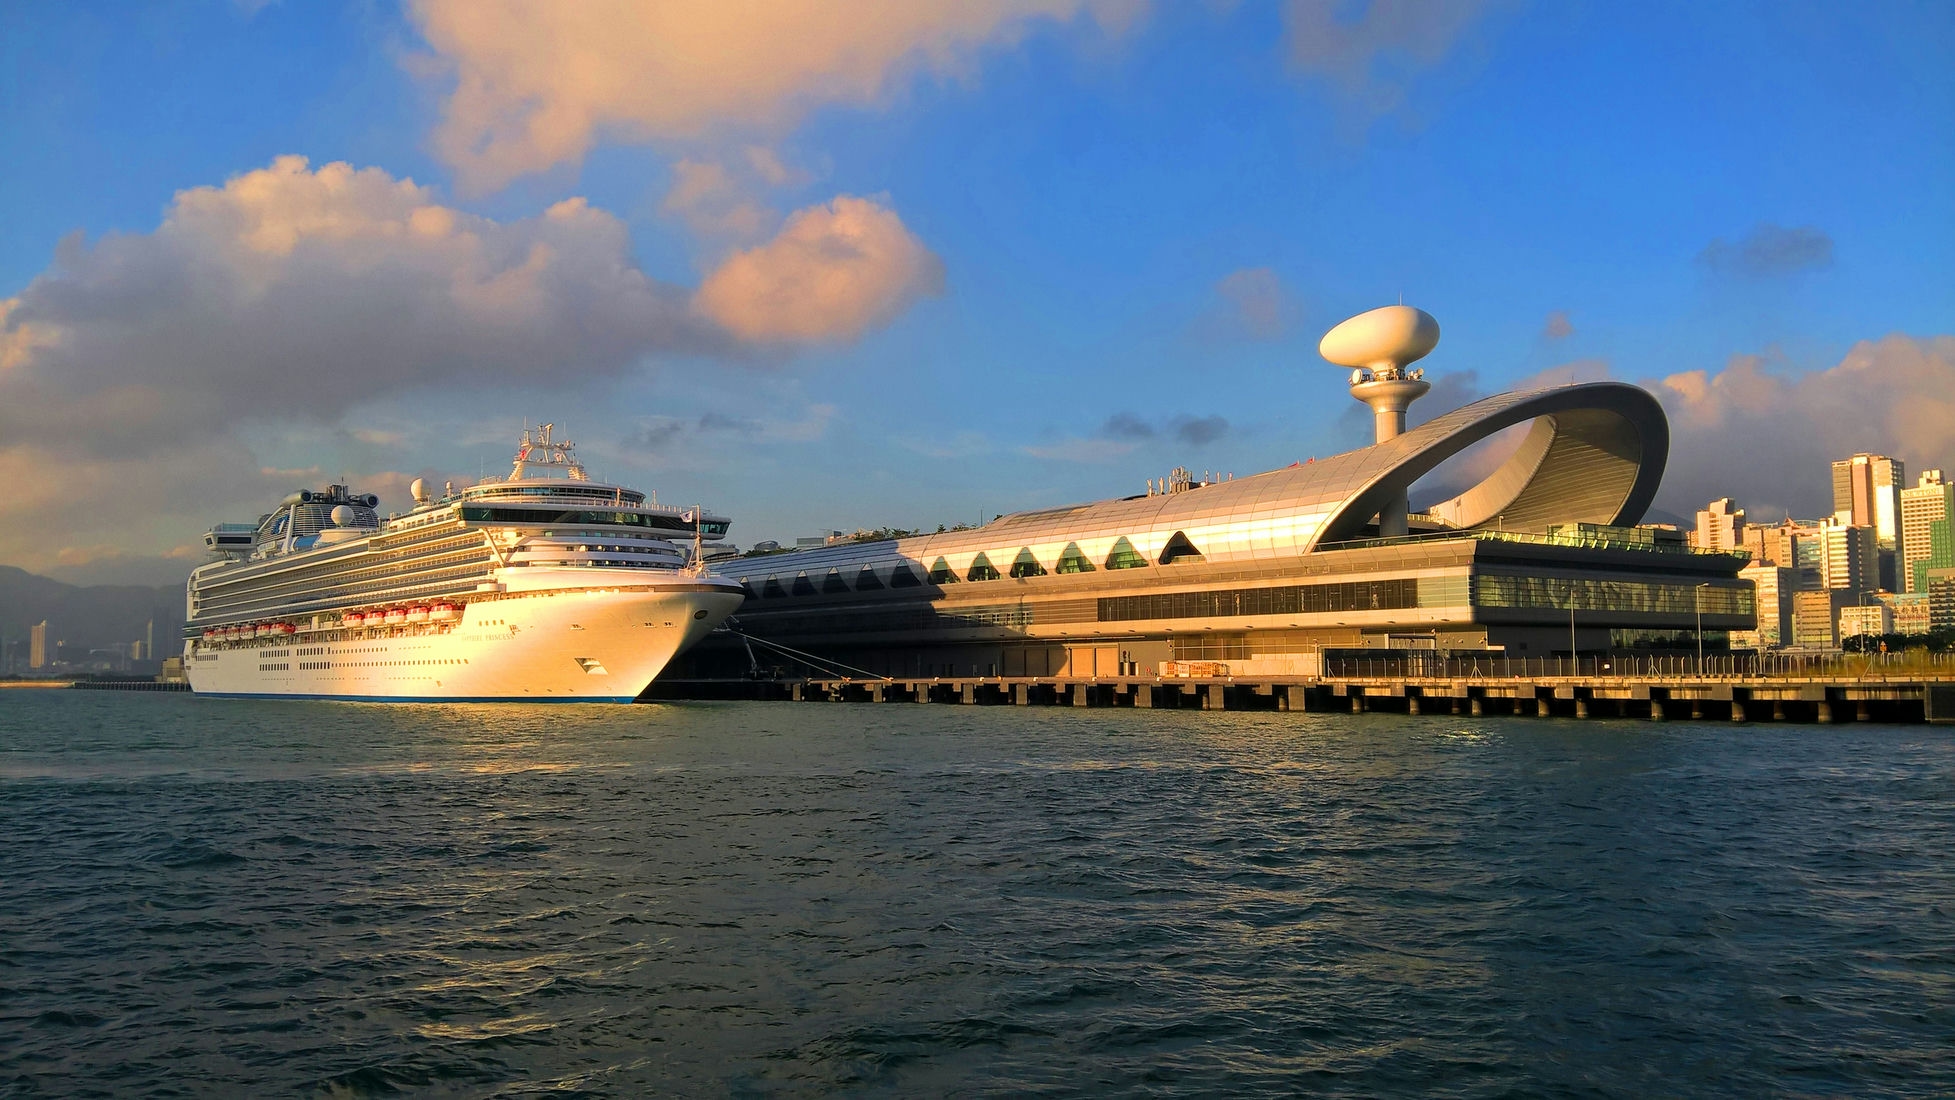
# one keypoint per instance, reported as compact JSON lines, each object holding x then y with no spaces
{"x":1739,"y":688}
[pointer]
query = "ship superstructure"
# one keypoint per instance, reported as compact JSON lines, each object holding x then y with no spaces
{"x":543,"y":585}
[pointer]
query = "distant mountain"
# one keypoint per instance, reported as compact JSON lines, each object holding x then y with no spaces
{"x":142,"y":572}
{"x":91,"y":616}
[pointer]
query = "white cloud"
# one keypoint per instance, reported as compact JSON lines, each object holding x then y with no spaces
{"x":536,"y":84}
{"x":1769,"y":439}
{"x":832,"y":273}
{"x":1252,"y":302}
{"x":291,"y":295}
{"x":1372,"y":50}
{"x":712,"y":203}
{"x":286,"y":305}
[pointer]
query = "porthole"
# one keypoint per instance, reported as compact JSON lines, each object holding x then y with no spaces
{"x":699,"y":614}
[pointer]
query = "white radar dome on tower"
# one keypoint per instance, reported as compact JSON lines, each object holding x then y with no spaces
{"x":1382,"y":340}
{"x":342,"y":516}
{"x":419,"y":490}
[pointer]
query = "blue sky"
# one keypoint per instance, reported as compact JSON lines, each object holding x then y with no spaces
{"x":1075,"y":250}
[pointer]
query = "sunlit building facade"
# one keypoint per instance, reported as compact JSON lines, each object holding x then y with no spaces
{"x":1263,"y":573}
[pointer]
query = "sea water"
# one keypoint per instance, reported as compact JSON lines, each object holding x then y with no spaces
{"x":220,"y":897}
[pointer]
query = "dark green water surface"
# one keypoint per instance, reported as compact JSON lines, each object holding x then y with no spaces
{"x":213,"y":897}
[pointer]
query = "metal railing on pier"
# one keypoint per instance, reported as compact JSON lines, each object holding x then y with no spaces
{"x":1437,"y":665}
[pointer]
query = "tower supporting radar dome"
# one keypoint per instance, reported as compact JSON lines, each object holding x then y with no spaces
{"x":1379,"y":345}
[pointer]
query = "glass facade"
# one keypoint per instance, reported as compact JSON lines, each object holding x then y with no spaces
{"x":1294,"y":599}
{"x":1072,"y":561}
{"x":1026,"y":565}
{"x":1124,"y":556}
{"x":1591,"y":594}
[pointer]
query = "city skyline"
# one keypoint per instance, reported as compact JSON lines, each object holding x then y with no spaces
{"x":926,"y":266}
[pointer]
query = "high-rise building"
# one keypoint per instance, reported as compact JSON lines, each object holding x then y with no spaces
{"x":1816,"y":618}
{"x":1720,"y":526}
{"x":1911,"y":612}
{"x":1941,"y":599}
{"x":1866,"y":491}
{"x":1850,"y":559}
{"x":1789,"y":545}
{"x":1774,"y":586}
{"x":1931,"y":501}
{"x":37,"y":652}
{"x":1871,"y":619}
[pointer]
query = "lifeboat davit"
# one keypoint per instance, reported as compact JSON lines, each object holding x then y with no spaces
{"x":417,"y":614}
{"x":444,"y":612}
{"x":396,"y":615}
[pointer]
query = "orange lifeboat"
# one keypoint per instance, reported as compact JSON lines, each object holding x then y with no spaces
{"x":417,"y":614}
{"x":354,"y":618}
{"x":444,"y":613}
{"x":210,"y":635}
{"x":396,"y":615}
{"x":283,"y":629}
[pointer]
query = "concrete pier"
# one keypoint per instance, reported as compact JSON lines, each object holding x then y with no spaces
{"x":1893,"y":698}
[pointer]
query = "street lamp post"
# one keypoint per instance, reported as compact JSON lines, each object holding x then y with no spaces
{"x":1697,"y":598}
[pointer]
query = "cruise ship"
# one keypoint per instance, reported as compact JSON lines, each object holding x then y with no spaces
{"x":541,"y":586}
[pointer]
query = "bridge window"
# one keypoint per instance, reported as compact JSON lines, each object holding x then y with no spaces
{"x":772,"y":588}
{"x":982,"y":570}
{"x":903,"y":577}
{"x":1124,"y":556}
{"x":940,"y":573}
{"x":866,"y":580}
{"x":803,"y":586}
{"x":834,"y":583}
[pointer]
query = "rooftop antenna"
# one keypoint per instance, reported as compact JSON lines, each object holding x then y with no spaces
{"x":1379,"y":346}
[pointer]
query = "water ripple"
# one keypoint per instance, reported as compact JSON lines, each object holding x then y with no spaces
{"x":218,"y":897}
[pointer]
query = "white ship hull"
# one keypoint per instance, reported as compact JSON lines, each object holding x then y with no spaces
{"x":580,"y":644}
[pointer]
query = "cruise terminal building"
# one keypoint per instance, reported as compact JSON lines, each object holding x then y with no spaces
{"x":1261,"y":575}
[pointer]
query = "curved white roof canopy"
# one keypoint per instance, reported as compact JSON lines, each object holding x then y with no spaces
{"x":1596,"y":454}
